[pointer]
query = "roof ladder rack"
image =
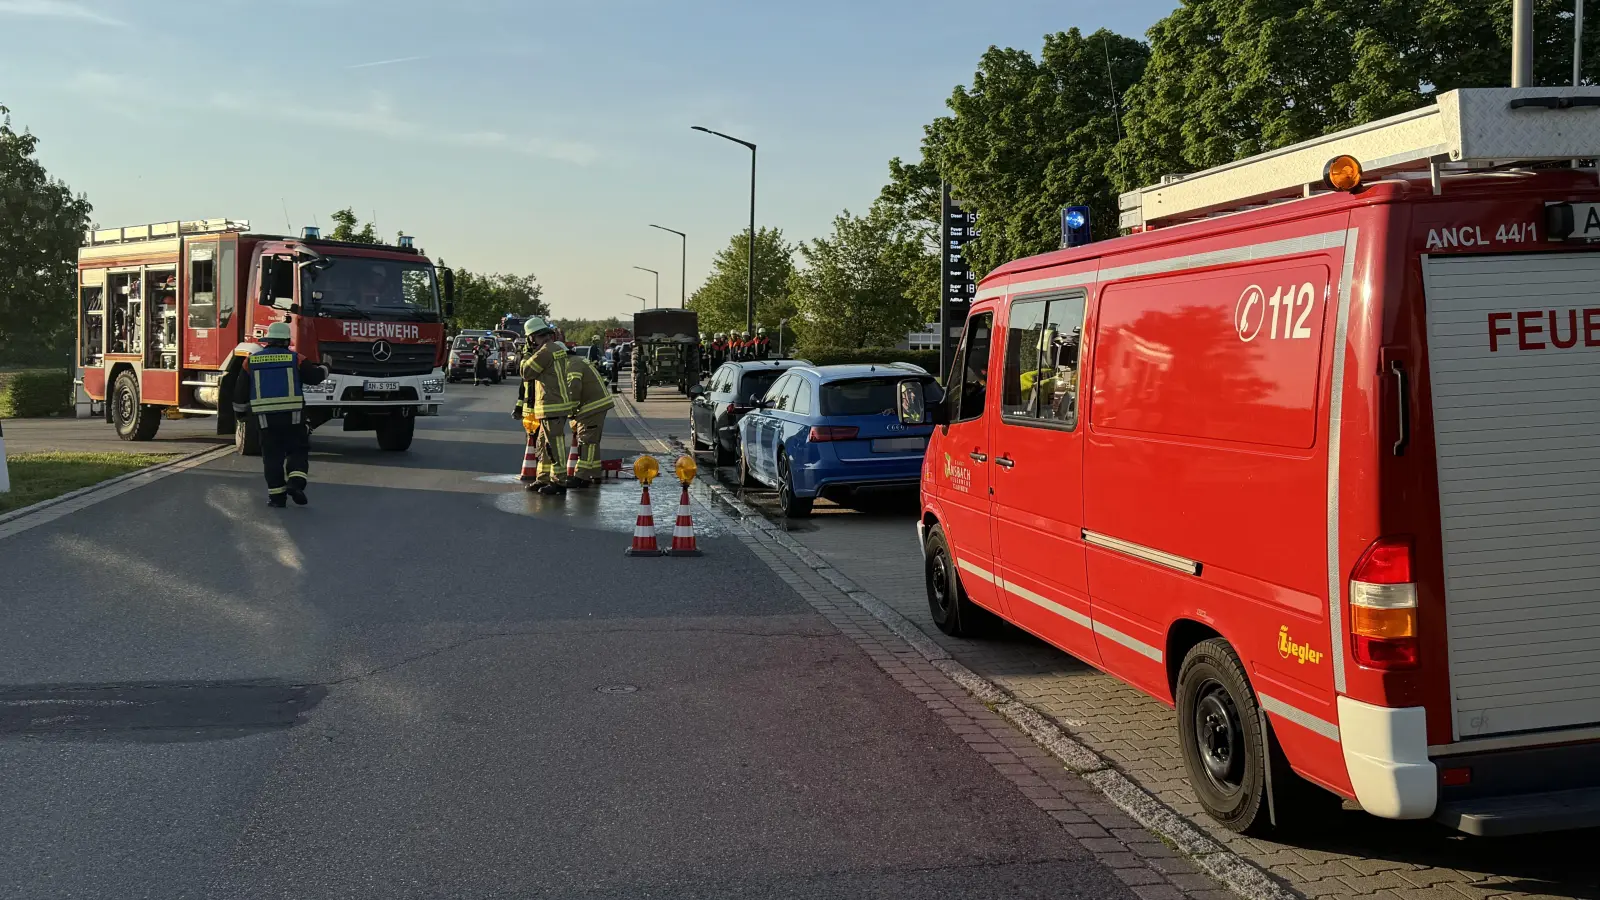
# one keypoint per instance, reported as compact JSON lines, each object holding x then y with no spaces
{"x":163,"y":230}
{"x":1471,"y":127}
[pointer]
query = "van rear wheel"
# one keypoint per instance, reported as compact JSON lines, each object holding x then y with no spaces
{"x":952,"y":610}
{"x":1219,"y":732}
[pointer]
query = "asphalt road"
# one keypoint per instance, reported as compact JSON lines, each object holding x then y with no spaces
{"x":432,"y":684}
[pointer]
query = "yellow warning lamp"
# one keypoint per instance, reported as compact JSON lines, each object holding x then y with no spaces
{"x":685,"y":469}
{"x":1343,"y":173}
{"x":645,"y":468}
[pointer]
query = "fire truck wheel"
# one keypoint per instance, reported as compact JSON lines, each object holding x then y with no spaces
{"x":1219,"y":729}
{"x":640,"y":389}
{"x":395,"y":433}
{"x":952,"y":610}
{"x":247,"y":436}
{"x":133,"y":420}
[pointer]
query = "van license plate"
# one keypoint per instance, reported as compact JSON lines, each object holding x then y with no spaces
{"x":380,"y":386}
{"x":898,"y":445}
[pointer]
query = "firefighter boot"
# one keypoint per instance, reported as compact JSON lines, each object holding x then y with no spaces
{"x":277,"y":501}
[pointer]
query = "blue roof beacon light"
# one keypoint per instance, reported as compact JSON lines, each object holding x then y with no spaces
{"x":406,"y":242}
{"x":1075,"y":226}
{"x":310,"y":233}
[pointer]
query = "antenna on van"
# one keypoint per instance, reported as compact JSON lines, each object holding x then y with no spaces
{"x":1116,"y":108}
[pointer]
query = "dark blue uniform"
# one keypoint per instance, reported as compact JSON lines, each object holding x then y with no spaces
{"x":271,"y":388}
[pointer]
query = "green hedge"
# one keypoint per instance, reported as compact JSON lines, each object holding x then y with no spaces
{"x":833,"y":356}
{"x":35,"y":393}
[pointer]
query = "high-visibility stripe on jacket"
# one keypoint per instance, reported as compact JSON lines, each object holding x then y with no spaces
{"x":274,"y":374}
{"x":546,"y":371}
{"x":588,"y":391}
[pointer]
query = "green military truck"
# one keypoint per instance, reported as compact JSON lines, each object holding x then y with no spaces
{"x":666,"y":349}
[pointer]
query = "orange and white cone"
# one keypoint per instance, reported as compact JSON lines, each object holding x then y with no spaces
{"x":530,"y":462}
{"x":683,"y":543}
{"x":644,"y":529}
{"x":572,"y":461}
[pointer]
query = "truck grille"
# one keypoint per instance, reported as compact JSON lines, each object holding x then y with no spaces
{"x":355,"y":358}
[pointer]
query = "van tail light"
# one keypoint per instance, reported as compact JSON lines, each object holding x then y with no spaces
{"x":1383,"y":606}
{"x":823,"y":433}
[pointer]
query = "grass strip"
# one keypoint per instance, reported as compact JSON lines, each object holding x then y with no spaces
{"x":40,"y":476}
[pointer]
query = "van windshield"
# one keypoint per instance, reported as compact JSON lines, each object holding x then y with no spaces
{"x":862,"y":396}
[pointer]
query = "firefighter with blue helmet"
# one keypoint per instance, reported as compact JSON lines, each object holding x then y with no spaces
{"x":270,"y":388}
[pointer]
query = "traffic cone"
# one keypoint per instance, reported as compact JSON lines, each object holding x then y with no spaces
{"x":530,"y":462}
{"x":572,"y":461}
{"x":683,"y":530}
{"x":644,"y":529}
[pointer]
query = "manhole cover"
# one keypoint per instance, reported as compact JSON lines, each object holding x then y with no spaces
{"x":617,"y":689}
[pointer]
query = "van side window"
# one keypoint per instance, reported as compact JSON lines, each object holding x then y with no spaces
{"x":1063,"y":333}
{"x":1041,"y":373}
{"x":1020,"y":394}
{"x":972,"y":368}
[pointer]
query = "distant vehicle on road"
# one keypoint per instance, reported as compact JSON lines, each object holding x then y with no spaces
{"x":664,"y":350}
{"x":464,"y":359}
{"x":823,"y":430}
{"x":717,"y":405}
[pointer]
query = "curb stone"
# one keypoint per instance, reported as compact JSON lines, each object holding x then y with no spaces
{"x":1234,"y":872}
{"x":155,"y":472}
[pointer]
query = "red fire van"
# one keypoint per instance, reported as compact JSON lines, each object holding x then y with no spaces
{"x":1314,"y":463}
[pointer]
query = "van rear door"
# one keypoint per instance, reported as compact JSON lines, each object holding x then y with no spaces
{"x":1514,"y":369}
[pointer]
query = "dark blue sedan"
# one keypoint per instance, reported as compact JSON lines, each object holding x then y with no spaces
{"x":826,"y":430}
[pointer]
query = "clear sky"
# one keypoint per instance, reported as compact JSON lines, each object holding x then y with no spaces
{"x":507,"y":135}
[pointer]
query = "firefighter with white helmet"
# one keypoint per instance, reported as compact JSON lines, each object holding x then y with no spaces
{"x":545,"y":388}
{"x":271,"y":388}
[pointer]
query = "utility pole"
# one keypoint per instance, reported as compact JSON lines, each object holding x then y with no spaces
{"x":1577,"y":42}
{"x":683,"y":268}
{"x":1522,"y":43}
{"x":750,"y":263}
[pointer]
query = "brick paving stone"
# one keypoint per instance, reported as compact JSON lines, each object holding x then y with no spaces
{"x":1137,"y":877}
{"x":1159,"y":892}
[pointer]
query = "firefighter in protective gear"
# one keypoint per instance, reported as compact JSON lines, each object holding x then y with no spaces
{"x":545,"y":377}
{"x":588,"y":419}
{"x":719,"y":348}
{"x":270,"y":388}
{"x":747,"y":347}
{"x":763,"y":347}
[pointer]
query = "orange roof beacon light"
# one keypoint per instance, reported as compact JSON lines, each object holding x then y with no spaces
{"x":1343,"y":173}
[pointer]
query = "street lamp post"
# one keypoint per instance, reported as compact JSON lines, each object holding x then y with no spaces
{"x":750,"y":263}
{"x":658,"y":283}
{"x":643,"y":301}
{"x":683,"y":269}
{"x":781,"y":324}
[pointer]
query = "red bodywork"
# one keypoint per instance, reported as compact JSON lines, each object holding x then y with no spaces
{"x":1199,"y":442}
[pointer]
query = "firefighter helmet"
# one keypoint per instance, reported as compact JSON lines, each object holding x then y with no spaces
{"x":278,"y":331}
{"x":536,"y":325}
{"x":745,"y":335}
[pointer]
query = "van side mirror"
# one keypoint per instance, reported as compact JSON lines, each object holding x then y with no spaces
{"x":920,"y":403}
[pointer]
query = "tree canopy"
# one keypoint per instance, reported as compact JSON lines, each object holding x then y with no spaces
{"x":345,"y":228}
{"x":720,"y":301}
{"x":855,"y":289}
{"x":483,"y":299}
{"x":41,"y":227}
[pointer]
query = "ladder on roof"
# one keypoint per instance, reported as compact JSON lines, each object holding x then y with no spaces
{"x":1467,"y":128}
{"x":161,"y":230}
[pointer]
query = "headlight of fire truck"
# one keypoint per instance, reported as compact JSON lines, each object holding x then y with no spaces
{"x":433,"y":385}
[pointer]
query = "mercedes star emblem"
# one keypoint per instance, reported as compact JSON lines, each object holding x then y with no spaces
{"x":382,"y":350}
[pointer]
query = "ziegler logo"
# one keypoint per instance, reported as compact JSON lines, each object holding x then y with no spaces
{"x":1288,"y":648}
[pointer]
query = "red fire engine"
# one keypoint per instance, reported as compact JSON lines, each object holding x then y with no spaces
{"x":167,"y":312}
{"x":1311,"y":457}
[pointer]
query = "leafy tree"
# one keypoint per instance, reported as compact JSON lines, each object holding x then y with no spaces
{"x":1228,"y":80}
{"x":720,"y":301}
{"x":344,"y":228}
{"x":1031,"y":136}
{"x":584,"y":331}
{"x":911,"y":202}
{"x":854,"y":290}
{"x":482,"y":300}
{"x":41,"y":227}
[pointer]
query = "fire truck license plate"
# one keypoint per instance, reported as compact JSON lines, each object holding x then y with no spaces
{"x":380,"y":386}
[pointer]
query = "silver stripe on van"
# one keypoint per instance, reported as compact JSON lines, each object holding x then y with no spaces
{"x":1140,"y":551}
{"x":1341,"y":336}
{"x":1327,"y":240}
{"x":1071,"y":615}
{"x":1298,"y":716}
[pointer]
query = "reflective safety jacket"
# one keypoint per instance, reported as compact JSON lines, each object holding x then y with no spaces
{"x":546,"y":375}
{"x":274,"y":376}
{"x":586,"y":389}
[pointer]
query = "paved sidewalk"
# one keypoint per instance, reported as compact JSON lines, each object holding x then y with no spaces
{"x":1356,"y":855}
